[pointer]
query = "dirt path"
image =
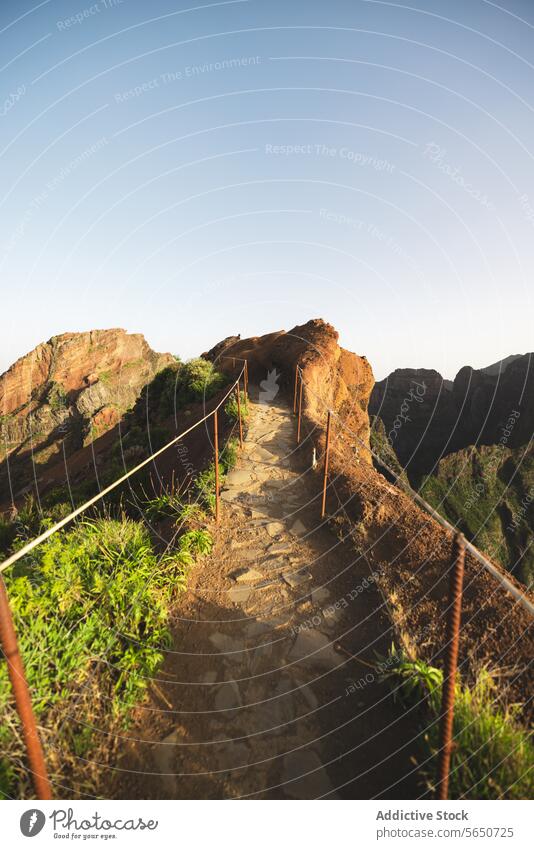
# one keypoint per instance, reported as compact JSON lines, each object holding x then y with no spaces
{"x":253,"y":700}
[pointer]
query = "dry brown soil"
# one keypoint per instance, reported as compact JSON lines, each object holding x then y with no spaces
{"x":255,"y":699}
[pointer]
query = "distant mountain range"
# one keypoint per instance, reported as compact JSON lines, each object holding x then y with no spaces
{"x":468,"y":446}
{"x":501,"y":365}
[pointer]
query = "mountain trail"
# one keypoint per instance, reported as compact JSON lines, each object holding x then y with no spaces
{"x":255,"y":700}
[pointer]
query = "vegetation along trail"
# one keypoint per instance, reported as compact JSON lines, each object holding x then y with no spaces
{"x":254,"y":699}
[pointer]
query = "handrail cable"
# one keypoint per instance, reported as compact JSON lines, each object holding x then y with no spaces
{"x":17,"y":555}
{"x":508,"y":585}
{"x":231,"y":357}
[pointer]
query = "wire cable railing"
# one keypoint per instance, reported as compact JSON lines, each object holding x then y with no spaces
{"x":456,"y":579}
{"x":520,"y":597}
{"x":8,"y":636}
{"x":17,"y":555}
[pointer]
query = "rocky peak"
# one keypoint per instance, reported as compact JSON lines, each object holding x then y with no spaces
{"x":72,"y":387}
{"x":335,"y":378}
{"x":215,"y":353}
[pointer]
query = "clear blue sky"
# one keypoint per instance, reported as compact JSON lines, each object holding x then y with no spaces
{"x":192,"y":170}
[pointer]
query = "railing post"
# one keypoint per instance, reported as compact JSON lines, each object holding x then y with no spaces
{"x":216,"y":446}
{"x":15,"y":668}
{"x":239,"y":415}
{"x":295,"y":392}
{"x":245,"y":379}
{"x":326,"y":458}
{"x":454,"y":613}
{"x":300,"y":410}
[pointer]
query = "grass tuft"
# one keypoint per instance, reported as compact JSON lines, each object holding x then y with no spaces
{"x":231,"y":408}
{"x":90,"y":606}
{"x":493,"y":754}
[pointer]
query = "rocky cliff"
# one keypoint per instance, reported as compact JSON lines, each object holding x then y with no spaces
{"x":491,"y":404}
{"x":64,"y":393}
{"x":334,"y":377}
{"x":409,"y":402}
{"x":426,"y":418}
{"x":469,"y":447}
{"x":408,"y":553}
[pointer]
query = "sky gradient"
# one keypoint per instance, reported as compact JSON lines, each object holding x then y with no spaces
{"x":191,"y":171}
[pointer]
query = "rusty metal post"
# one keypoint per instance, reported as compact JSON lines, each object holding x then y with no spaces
{"x":295,"y":392}
{"x":245,"y":379}
{"x":15,"y":668}
{"x":239,"y":416}
{"x":300,"y":410}
{"x":326,"y":458}
{"x":454,"y":613}
{"x":216,"y":446}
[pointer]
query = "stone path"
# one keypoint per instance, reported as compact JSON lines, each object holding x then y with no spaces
{"x":254,"y":700}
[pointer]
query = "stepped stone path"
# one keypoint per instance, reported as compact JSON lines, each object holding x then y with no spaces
{"x":254,"y":700}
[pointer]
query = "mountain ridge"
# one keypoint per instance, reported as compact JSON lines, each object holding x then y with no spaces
{"x":468,"y":448}
{"x":68,"y":390}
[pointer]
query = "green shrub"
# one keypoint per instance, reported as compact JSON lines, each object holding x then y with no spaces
{"x":162,"y":506}
{"x":229,"y":455}
{"x":198,"y":542}
{"x":93,"y":601}
{"x":57,"y":397}
{"x":198,"y":380}
{"x":91,"y":605}
{"x":159,"y":395}
{"x":205,"y":487}
{"x":493,"y":754}
{"x":29,"y":518}
{"x":205,"y":482}
{"x":231,"y":408}
{"x":106,"y":568}
{"x":190,"y":513}
{"x":176,"y":386}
